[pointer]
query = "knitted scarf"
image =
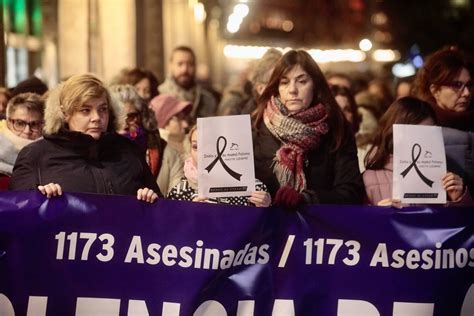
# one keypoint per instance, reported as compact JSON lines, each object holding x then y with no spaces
{"x":298,"y":133}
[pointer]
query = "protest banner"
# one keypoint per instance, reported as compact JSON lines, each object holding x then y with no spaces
{"x":419,"y":163}
{"x":225,"y":156}
{"x":87,"y":254}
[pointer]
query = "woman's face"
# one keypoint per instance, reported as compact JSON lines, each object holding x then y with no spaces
{"x":296,"y":89}
{"x":345,"y":106}
{"x":177,"y":125}
{"x":92,"y":118}
{"x":143,"y":88}
{"x":455,"y":96}
{"x":25,"y":123}
{"x":132,"y":119}
{"x":194,"y":148}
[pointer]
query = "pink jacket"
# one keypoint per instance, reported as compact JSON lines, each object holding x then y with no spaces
{"x":378,"y":183}
{"x":378,"y":186}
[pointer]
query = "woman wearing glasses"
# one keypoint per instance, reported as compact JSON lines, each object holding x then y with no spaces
{"x":445,"y":82}
{"x":80,"y":151}
{"x":23,"y":126}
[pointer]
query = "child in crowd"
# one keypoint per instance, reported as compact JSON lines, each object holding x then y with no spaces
{"x":186,"y":190}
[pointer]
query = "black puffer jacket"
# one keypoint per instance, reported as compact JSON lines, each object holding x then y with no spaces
{"x":332,"y":177}
{"x":77,"y":162}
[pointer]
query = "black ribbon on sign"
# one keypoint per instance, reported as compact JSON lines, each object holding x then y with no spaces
{"x":413,"y":165}
{"x":219,"y":158}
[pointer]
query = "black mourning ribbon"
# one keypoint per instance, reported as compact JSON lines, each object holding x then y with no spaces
{"x":413,"y":165}
{"x":219,"y":158}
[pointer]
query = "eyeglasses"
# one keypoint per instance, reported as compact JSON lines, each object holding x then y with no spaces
{"x":459,"y":86}
{"x":132,"y":116}
{"x":20,"y":125}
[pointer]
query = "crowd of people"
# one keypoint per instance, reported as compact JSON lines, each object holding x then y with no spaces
{"x":318,"y":138}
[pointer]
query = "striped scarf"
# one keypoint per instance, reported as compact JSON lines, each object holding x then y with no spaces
{"x":298,"y":133}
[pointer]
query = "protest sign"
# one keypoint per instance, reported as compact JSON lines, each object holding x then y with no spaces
{"x":225,"y":156}
{"x":419,"y":163}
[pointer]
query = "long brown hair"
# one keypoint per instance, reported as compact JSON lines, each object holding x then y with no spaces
{"x":406,"y":110}
{"x":321,"y":94}
{"x":441,"y":67}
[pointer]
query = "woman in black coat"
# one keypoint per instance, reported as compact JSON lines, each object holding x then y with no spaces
{"x":304,"y":150}
{"x":80,"y":151}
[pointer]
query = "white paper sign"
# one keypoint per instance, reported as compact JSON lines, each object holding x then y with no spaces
{"x":419,"y":163}
{"x":225,"y":156}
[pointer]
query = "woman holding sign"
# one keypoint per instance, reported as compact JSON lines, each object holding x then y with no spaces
{"x":304,"y":149}
{"x":379,"y":160}
{"x":80,"y":151}
{"x":445,"y":83}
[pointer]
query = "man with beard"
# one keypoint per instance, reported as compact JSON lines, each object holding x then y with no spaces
{"x":181,"y":84}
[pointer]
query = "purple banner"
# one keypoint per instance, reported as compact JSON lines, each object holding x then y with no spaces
{"x":84,"y":254}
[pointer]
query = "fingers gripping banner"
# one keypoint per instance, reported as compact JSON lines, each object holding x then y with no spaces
{"x":100,"y":255}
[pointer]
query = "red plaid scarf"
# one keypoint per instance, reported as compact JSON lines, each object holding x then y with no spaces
{"x":298,"y":133}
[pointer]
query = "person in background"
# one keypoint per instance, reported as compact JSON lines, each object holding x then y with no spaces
{"x":181,"y":84}
{"x":404,"y":87}
{"x":32,"y":84}
{"x":339,"y":79}
{"x":187,"y":188}
{"x":172,"y":118}
{"x":131,"y":106}
{"x":144,"y":82}
{"x":260,"y":77}
{"x":345,"y":100}
{"x":304,"y":149}
{"x":80,"y":151}
{"x":380,"y":89}
{"x":445,"y":82}
{"x":24,"y":125}
{"x":378,"y":175}
{"x":5,"y":95}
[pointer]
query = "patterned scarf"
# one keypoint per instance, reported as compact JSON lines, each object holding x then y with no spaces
{"x":299,"y":133}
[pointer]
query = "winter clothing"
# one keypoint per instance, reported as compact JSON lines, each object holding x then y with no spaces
{"x":79,"y":163}
{"x":378,"y":185}
{"x":332,"y":177}
{"x":171,"y":170}
{"x":298,"y":134}
{"x":10,"y":146}
{"x":287,"y":196}
{"x":204,"y":103}
{"x":459,"y":146}
{"x":166,"y":106}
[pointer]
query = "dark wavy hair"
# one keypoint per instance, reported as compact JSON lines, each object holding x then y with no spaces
{"x":345,"y":92}
{"x":406,"y":110}
{"x":321,"y":94}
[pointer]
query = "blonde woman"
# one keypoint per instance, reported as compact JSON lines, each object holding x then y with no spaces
{"x":80,"y":151}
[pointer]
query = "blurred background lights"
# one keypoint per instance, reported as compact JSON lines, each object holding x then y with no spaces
{"x":199,"y":12}
{"x":403,"y":70}
{"x":287,"y":26}
{"x":241,"y":10}
{"x":418,"y":61}
{"x":365,"y":45}
{"x":385,"y":55}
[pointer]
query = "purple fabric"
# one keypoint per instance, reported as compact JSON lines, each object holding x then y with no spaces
{"x":36,"y":259}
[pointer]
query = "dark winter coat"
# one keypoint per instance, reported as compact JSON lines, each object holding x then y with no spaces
{"x":332,"y":177}
{"x":78,"y":163}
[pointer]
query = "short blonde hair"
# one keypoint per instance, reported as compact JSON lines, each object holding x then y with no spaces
{"x":69,"y":96}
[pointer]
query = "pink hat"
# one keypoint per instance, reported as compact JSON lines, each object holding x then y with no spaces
{"x":166,"y":106}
